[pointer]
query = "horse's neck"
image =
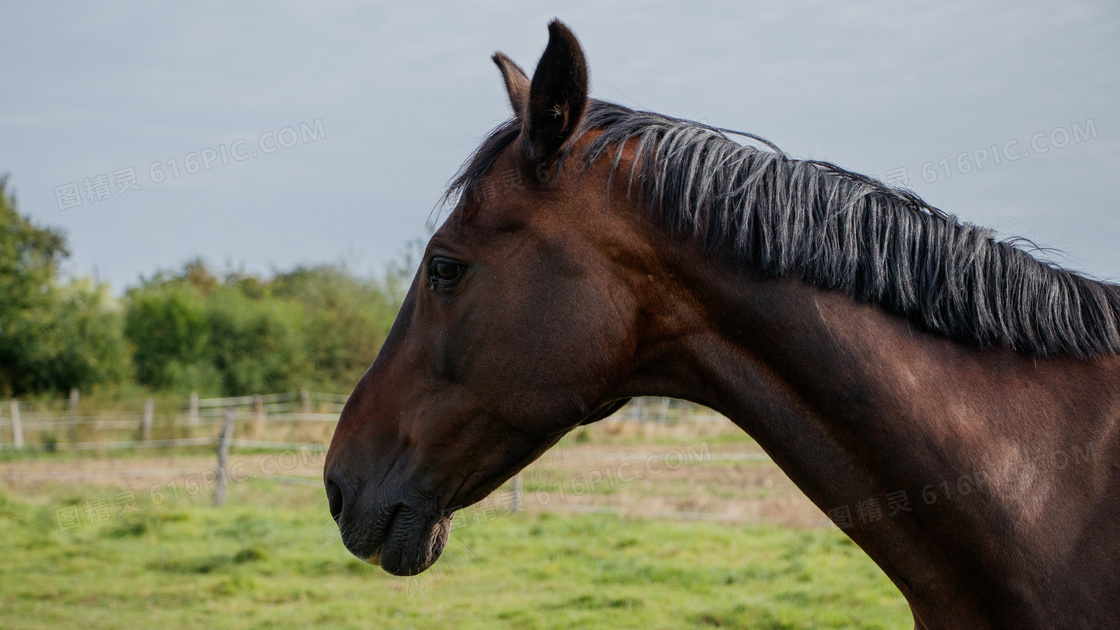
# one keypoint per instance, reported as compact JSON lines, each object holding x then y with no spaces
{"x":788,"y":356}
{"x":867,"y":415}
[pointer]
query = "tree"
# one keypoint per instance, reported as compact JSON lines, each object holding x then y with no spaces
{"x":183,"y":330}
{"x":53,"y":335}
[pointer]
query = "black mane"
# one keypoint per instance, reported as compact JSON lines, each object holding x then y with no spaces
{"x":841,"y":231}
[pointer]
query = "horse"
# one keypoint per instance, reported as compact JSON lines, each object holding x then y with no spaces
{"x":948,"y":399}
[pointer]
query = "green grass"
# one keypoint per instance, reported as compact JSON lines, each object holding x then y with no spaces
{"x":271,"y":558}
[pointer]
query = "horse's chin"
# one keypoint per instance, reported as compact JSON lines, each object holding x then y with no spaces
{"x":411,"y":550}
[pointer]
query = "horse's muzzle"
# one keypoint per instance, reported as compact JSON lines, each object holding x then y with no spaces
{"x":403,"y":534}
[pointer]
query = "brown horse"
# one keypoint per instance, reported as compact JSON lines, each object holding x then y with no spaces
{"x":949,"y":400}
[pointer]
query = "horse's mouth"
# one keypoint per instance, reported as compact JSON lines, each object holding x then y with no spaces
{"x":375,"y":559}
{"x":408,"y":543}
{"x":383,"y":535}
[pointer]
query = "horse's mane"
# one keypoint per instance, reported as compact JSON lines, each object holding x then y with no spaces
{"x":841,"y":231}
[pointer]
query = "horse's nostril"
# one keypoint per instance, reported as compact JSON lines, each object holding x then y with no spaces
{"x":335,"y":498}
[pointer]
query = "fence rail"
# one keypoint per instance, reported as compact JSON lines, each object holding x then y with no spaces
{"x":38,"y":424}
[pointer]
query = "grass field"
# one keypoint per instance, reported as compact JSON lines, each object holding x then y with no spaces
{"x":271,"y":558}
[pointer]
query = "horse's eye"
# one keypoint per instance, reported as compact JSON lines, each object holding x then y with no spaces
{"x":444,"y":272}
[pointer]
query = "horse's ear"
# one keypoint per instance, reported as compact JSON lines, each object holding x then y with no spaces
{"x":517,"y":83}
{"x":557,"y":94}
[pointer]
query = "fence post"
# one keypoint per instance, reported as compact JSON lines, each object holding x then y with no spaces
{"x":258,"y":416}
{"x":305,"y":400}
{"x":17,"y":426}
{"x":192,"y":409}
{"x":223,"y":456}
{"x":664,"y":410}
{"x":516,"y":504}
{"x":146,"y":421}
{"x":75,"y":395}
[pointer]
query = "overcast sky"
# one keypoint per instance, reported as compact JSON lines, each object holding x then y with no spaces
{"x":369,"y":109}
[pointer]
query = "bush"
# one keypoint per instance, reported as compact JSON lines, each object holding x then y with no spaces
{"x":168,"y":325}
{"x":316,"y":327}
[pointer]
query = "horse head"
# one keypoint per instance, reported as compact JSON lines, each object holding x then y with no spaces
{"x":519,"y":326}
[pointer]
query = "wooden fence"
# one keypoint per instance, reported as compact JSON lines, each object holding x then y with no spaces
{"x":63,"y":425}
{"x":55,"y":425}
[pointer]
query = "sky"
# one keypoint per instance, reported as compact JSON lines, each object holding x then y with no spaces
{"x":262,"y":135}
